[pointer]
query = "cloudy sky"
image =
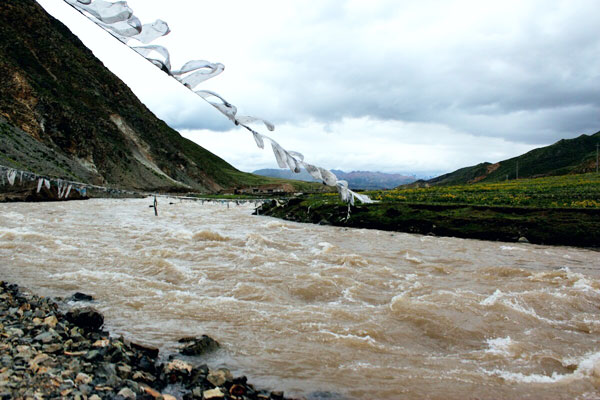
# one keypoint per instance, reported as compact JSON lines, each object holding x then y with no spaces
{"x":389,"y":85}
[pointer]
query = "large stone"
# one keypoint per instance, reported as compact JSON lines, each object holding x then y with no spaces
{"x":178,"y":366}
{"x":150,"y":351}
{"x":81,"y":297}
{"x":523,"y":239}
{"x":277,"y":395}
{"x":196,"y":347}
{"x":87,"y":318}
{"x":219,"y":377}
{"x":213,"y":394}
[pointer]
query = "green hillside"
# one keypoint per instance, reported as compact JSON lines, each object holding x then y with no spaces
{"x":567,"y":156}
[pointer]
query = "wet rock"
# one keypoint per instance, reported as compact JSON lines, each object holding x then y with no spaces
{"x":149,"y":351}
{"x":213,"y":394}
{"x":197,"y":347}
{"x":237,"y":390}
{"x":177,"y":371}
{"x":101,"y":343}
{"x":127,"y":393}
{"x":47,"y":337}
{"x":83,"y":378}
{"x":38,"y":361}
{"x":276,"y":395}
{"x":219,"y":377}
{"x":94,"y":355}
{"x":523,"y":239}
{"x":51,"y":321}
{"x":124,"y":371}
{"x":81,"y":297}
{"x":178,"y":366}
{"x":151,"y":392}
{"x":146,"y":364}
{"x":141,"y":376}
{"x":15,"y":332}
{"x":87,"y":318}
{"x":52,"y":348}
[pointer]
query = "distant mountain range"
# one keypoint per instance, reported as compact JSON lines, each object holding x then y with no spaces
{"x":356,"y":179}
{"x":567,"y":156}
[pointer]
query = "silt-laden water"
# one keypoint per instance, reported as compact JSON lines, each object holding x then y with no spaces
{"x":361,"y":313}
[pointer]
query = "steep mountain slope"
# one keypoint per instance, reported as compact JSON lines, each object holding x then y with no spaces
{"x":62,"y":113}
{"x":356,"y":179}
{"x":563,"y":157}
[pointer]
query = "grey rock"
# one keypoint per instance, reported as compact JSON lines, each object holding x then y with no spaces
{"x":87,"y":318}
{"x":81,"y":297}
{"x":196,"y":347}
{"x":46,"y":337}
{"x":127,"y":393}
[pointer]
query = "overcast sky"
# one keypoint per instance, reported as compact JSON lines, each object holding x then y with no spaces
{"x":389,"y":85}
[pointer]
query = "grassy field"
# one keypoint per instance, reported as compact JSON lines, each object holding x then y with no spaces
{"x":567,"y":191}
{"x":561,"y":210}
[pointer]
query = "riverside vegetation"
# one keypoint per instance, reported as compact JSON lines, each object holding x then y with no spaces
{"x":46,"y":353}
{"x":560,"y":210}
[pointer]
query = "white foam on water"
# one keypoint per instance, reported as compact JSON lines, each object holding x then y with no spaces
{"x":12,"y":215}
{"x":587,"y":366}
{"x":323,"y":248}
{"x":512,"y":248}
{"x":359,"y":365}
{"x":351,"y":337}
{"x":584,"y":285}
{"x":492,"y":299}
{"x":500,"y":346}
{"x":532,"y":378}
{"x":413,"y":259}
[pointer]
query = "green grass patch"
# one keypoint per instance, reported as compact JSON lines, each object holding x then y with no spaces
{"x":567,"y":191}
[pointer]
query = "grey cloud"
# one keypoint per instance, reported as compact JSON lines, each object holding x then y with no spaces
{"x":534,"y":83}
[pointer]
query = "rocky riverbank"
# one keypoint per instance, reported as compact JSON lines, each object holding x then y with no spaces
{"x":46,"y":353}
{"x":550,"y":226}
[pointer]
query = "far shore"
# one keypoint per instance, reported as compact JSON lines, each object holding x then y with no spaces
{"x":546,"y":226}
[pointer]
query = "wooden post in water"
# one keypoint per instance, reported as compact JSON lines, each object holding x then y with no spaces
{"x":155,"y":207}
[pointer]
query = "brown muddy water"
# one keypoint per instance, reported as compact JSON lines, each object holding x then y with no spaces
{"x":360,"y":313}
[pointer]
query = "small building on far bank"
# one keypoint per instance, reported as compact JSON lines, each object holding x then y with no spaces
{"x":271,"y":189}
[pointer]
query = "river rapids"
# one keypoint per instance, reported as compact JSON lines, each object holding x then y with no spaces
{"x":322,"y":312}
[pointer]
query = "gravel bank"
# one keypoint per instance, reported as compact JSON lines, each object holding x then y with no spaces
{"x":48,"y":354}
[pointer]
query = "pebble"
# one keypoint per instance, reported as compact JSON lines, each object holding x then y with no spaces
{"x":51,"y":321}
{"x":127,"y":393}
{"x":83,"y":378}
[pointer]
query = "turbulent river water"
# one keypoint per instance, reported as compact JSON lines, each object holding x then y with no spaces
{"x":320,"y":311}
